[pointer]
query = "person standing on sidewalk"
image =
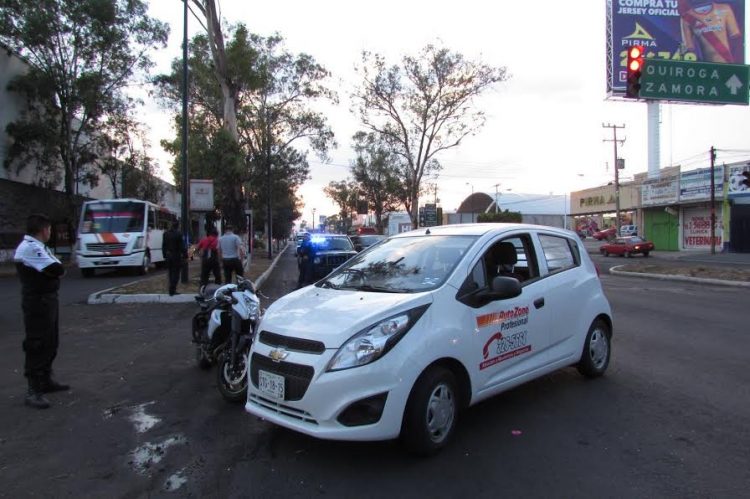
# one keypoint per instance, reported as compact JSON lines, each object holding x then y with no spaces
{"x":40,"y":272}
{"x":232,"y":254}
{"x":209,"y":251}
{"x":173,"y":248}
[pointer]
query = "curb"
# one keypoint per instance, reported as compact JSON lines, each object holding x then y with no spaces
{"x":104,"y":297}
{"x":668,"y":277}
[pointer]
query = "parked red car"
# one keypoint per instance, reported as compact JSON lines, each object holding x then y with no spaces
{"x":627,"y":246}
{"x":605,"y":234}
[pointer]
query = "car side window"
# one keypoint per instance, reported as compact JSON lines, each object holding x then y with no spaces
{"x":510,"y":257}
{"x":559,"y":252}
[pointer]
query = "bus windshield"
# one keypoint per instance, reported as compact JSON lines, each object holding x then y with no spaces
{"x":113,"y":216}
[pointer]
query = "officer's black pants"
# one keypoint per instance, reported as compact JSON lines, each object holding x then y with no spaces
{"x":174,"y":265}
{"x":40,"y":317}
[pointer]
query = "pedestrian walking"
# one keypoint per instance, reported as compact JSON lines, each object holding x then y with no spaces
{"x":40,"y":272}
{"x":173,"y":248}
{"x":232,"y":254}
{"x":209,"y":253}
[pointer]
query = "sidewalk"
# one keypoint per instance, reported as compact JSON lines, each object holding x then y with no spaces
{"x":151,"y":289}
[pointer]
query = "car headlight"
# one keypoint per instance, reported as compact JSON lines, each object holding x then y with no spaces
{"x":375,"y":341}
{"x":138,"y":243}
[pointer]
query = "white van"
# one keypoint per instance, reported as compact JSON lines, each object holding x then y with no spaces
{"x":400,"y":338}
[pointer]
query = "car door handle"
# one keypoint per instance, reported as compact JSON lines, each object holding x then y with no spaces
{"x":539,"y":302}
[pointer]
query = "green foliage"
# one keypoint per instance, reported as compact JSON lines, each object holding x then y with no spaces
{"x":82,"y":55}
{"x":422,"y":107}
{"x":502,"y":216}
{"x":274,"y":93}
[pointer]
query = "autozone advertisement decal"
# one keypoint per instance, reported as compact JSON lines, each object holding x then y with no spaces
{"x":500,"y":347}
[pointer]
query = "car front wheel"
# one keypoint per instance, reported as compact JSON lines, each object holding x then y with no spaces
{"x":431,"y":412}
{"x":596,"y":350}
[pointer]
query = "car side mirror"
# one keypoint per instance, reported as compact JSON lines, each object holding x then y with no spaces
{"x":501,"y":288}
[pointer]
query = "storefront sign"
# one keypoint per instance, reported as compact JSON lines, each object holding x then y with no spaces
{"x":696,"y":185}
{"x":597,"y":201}
{"x":660,"y":192}
{"x":696,"y":229}
{"x":736,"y":187}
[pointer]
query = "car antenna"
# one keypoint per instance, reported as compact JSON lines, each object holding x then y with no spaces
{"x":427,"y":232}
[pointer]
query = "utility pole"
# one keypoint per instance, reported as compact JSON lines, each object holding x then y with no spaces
{"x":617,"y":172}
{"x":713,"y":202}
{"x":496,"y":203}
{"x":184,"y":152}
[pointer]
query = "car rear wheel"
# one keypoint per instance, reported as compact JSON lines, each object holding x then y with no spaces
{"x":628,"y":254}
{"x":431,"y":412}
{"x":596,"y":350}
{"x":606,"y":253}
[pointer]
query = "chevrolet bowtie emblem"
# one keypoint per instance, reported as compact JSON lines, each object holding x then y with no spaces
{"x":279,"y":354}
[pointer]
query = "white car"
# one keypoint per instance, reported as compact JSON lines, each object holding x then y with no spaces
{"x":405,"y":334}
{"x":629,"y":230}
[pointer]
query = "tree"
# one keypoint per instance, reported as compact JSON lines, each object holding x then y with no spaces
{"x":345,"y":194}
{"x":275,"y":90}
{"x":422,"y":107}
{"x":502,"y":216}
{"x":82,"y":55}
{"x":125,"y":161}
{"x":376,"y":172}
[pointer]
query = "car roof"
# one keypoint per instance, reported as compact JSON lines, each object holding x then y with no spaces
{"x":479,"y":229}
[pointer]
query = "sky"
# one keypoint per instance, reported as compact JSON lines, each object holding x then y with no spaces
{"x":544,"y":132}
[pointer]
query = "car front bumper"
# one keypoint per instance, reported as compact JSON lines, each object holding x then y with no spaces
{"x":329,"y":394}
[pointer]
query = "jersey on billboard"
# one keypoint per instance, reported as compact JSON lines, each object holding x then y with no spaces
{"x":680,"y":30}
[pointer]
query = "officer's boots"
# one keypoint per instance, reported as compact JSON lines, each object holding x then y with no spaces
{"x":35,"y":396}
{"x":50,"y":385}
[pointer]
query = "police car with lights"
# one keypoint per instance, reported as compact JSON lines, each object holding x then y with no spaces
{"x":395,"y":342}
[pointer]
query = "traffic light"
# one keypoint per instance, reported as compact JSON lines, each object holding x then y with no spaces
{"x":746,"y":180}
{"x":635,"y":67}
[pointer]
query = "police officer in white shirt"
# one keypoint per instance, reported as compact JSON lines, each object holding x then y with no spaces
{"x":40,"y":272}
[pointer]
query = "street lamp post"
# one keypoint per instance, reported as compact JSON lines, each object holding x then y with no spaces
{"x":496,"y":203}
{"x":472,"y":200}
{"x":313,"y":220}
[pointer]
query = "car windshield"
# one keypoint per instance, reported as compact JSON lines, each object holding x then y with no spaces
{"x":402,"y":265}
{"x":635,"y":239}
{"x":331,"y":243}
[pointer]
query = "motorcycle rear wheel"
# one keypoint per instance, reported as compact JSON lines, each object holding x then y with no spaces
{"x":233,"y":379}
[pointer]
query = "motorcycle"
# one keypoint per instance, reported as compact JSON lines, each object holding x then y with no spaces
{"x":223,"y":330}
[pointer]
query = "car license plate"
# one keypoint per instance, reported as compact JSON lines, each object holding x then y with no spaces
{"x":271,"y":384}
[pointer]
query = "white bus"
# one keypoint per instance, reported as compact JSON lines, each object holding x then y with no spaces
{"x":121,"y":233}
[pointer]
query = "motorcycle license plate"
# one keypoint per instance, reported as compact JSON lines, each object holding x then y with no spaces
{"x":271,"y":384}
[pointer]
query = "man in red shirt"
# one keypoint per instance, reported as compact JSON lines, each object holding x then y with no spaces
{"x":209,"y":252}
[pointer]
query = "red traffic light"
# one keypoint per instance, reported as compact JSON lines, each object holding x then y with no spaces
{"x":635,"y":67}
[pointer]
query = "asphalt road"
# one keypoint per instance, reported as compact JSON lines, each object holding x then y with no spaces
{"x":668,"y":420}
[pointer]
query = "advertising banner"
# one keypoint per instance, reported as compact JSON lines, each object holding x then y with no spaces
{"x":736,"y":188}
{"x":676,"y":30}
{"x":696,"y":229}
{"x":201,"y":195}
{"x":660,"y":192}
{"x":696,"y":185}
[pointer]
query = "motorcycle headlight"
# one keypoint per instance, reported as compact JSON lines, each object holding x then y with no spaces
{"x":138,"y":243}
{"x":375,"y":341}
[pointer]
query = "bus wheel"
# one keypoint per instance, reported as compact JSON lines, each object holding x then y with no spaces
{"x":146,"y":266}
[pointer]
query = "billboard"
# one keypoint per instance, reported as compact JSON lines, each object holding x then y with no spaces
{"x":677,"y":30}
{"x":696,"y":185}
{"x":736,"y":188}
{"x":660,"y":192}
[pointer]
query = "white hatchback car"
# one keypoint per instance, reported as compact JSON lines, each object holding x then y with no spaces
{"x":402,"y":336}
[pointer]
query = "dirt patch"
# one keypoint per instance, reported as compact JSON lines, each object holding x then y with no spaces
{"x":158,"y":284}
{"x":705,"y":272}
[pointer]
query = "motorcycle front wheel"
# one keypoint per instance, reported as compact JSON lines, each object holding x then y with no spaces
{"x":233,"y":378}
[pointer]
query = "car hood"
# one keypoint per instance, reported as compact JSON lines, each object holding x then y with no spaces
{"x":333,"y":316}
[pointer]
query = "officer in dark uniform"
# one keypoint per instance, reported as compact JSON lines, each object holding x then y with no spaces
{"x":173,"y":248}
{"x":40,"y":272}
